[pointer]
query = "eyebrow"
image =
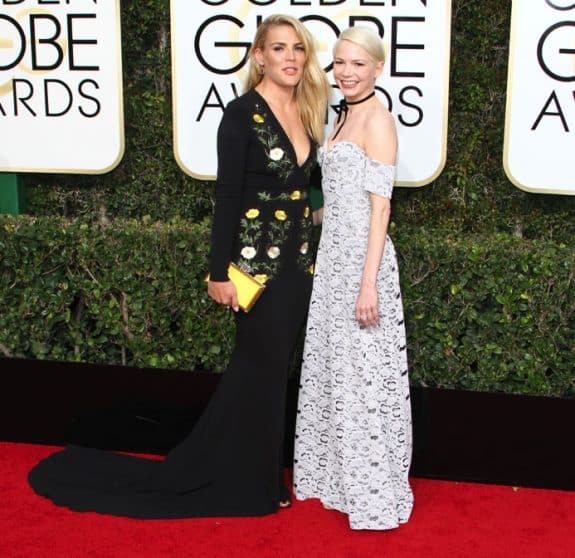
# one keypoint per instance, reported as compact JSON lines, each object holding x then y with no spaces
{"x":353,"y":59}
{"x":281,"y":43}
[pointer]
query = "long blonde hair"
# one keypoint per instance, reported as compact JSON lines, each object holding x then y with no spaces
{"x":313,"y":90}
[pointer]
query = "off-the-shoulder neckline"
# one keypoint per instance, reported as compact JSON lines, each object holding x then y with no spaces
{"x":327,"y":150}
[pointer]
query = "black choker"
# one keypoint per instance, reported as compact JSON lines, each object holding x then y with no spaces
{"x":343,"y":108}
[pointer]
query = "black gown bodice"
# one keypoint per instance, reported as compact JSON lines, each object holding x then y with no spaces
{"x":262,"y":219}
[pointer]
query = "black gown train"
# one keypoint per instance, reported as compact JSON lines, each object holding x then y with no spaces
{"x":232,"y":461}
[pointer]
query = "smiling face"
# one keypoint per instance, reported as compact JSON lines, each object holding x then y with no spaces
{"x":282,"y":56}
{"x":354,"y":70}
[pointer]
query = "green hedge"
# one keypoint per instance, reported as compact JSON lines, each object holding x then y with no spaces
{"x":483,"y":312}
{"x":489,"y":312}
{"x":132,"y":293}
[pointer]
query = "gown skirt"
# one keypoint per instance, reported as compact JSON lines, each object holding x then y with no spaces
{"x":231,"y":464}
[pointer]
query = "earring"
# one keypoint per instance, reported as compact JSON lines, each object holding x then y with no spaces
{"x":261,"y":69}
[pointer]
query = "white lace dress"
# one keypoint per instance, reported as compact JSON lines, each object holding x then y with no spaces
{"x":353,"y":437}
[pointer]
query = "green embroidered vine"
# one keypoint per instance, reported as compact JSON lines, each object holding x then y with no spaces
{"x":278,"y":160}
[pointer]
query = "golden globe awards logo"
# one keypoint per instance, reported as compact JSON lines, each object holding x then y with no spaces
{"x":60,"y":85}
{"x":540,"y":117}
{"x":210,"y":43}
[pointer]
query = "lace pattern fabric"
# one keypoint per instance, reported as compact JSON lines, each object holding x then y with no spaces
{"x":354,"y":435}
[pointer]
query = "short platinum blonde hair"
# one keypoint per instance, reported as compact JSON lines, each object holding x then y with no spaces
{"x":366,"y":38}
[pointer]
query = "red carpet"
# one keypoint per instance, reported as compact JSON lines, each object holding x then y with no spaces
{"x":450,"y":520}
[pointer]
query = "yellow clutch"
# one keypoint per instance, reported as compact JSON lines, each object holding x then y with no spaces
{"x":248,"y":287}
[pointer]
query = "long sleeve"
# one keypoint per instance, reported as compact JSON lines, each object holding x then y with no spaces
{"x":233,"y":143}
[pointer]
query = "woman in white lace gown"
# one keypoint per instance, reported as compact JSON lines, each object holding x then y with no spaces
{"x":353,"y":436}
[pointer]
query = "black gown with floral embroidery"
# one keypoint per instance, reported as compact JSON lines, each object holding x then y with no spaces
{"x":232,"y":462}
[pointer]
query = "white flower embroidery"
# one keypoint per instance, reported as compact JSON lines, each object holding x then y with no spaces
{"x":273,"y":252}
{"x":304,"y":248}
{"x":276,"y":154}
{"x":248,"y":252}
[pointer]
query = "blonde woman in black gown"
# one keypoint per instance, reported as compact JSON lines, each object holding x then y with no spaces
{"x":232,"y":462}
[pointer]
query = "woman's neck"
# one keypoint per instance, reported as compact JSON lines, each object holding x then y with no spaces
{"x":363,"y":100}
{"x":275,"y":94}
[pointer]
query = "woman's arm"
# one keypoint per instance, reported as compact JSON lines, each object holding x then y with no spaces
{"x":366,"y":308}
{"x":381,"y":148}
{"x":233,"y":143}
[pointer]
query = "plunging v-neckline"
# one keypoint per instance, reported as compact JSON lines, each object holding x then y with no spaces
{"x":286,"y":137}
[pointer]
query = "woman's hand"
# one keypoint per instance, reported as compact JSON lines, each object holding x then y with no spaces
{"x":224,"y":292}
{"x":366,"y":306}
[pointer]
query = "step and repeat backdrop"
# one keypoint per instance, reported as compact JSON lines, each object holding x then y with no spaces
{"x":61,"y":81}
{"x":61,"y":106}
{"x":211,"y":38}
{"x":540,"y":117}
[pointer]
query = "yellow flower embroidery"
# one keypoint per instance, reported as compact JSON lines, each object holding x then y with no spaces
{"x":261,"y":277}
{"x":252,"y":213}
{"x":311,"y":269}
{"x":306,"y":211}
{"x":295,"y":195}
{"x":280,"y":215}
{"x":258,"y":118}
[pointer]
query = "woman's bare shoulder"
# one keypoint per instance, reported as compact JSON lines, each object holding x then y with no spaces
{"x":381,"y":136}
